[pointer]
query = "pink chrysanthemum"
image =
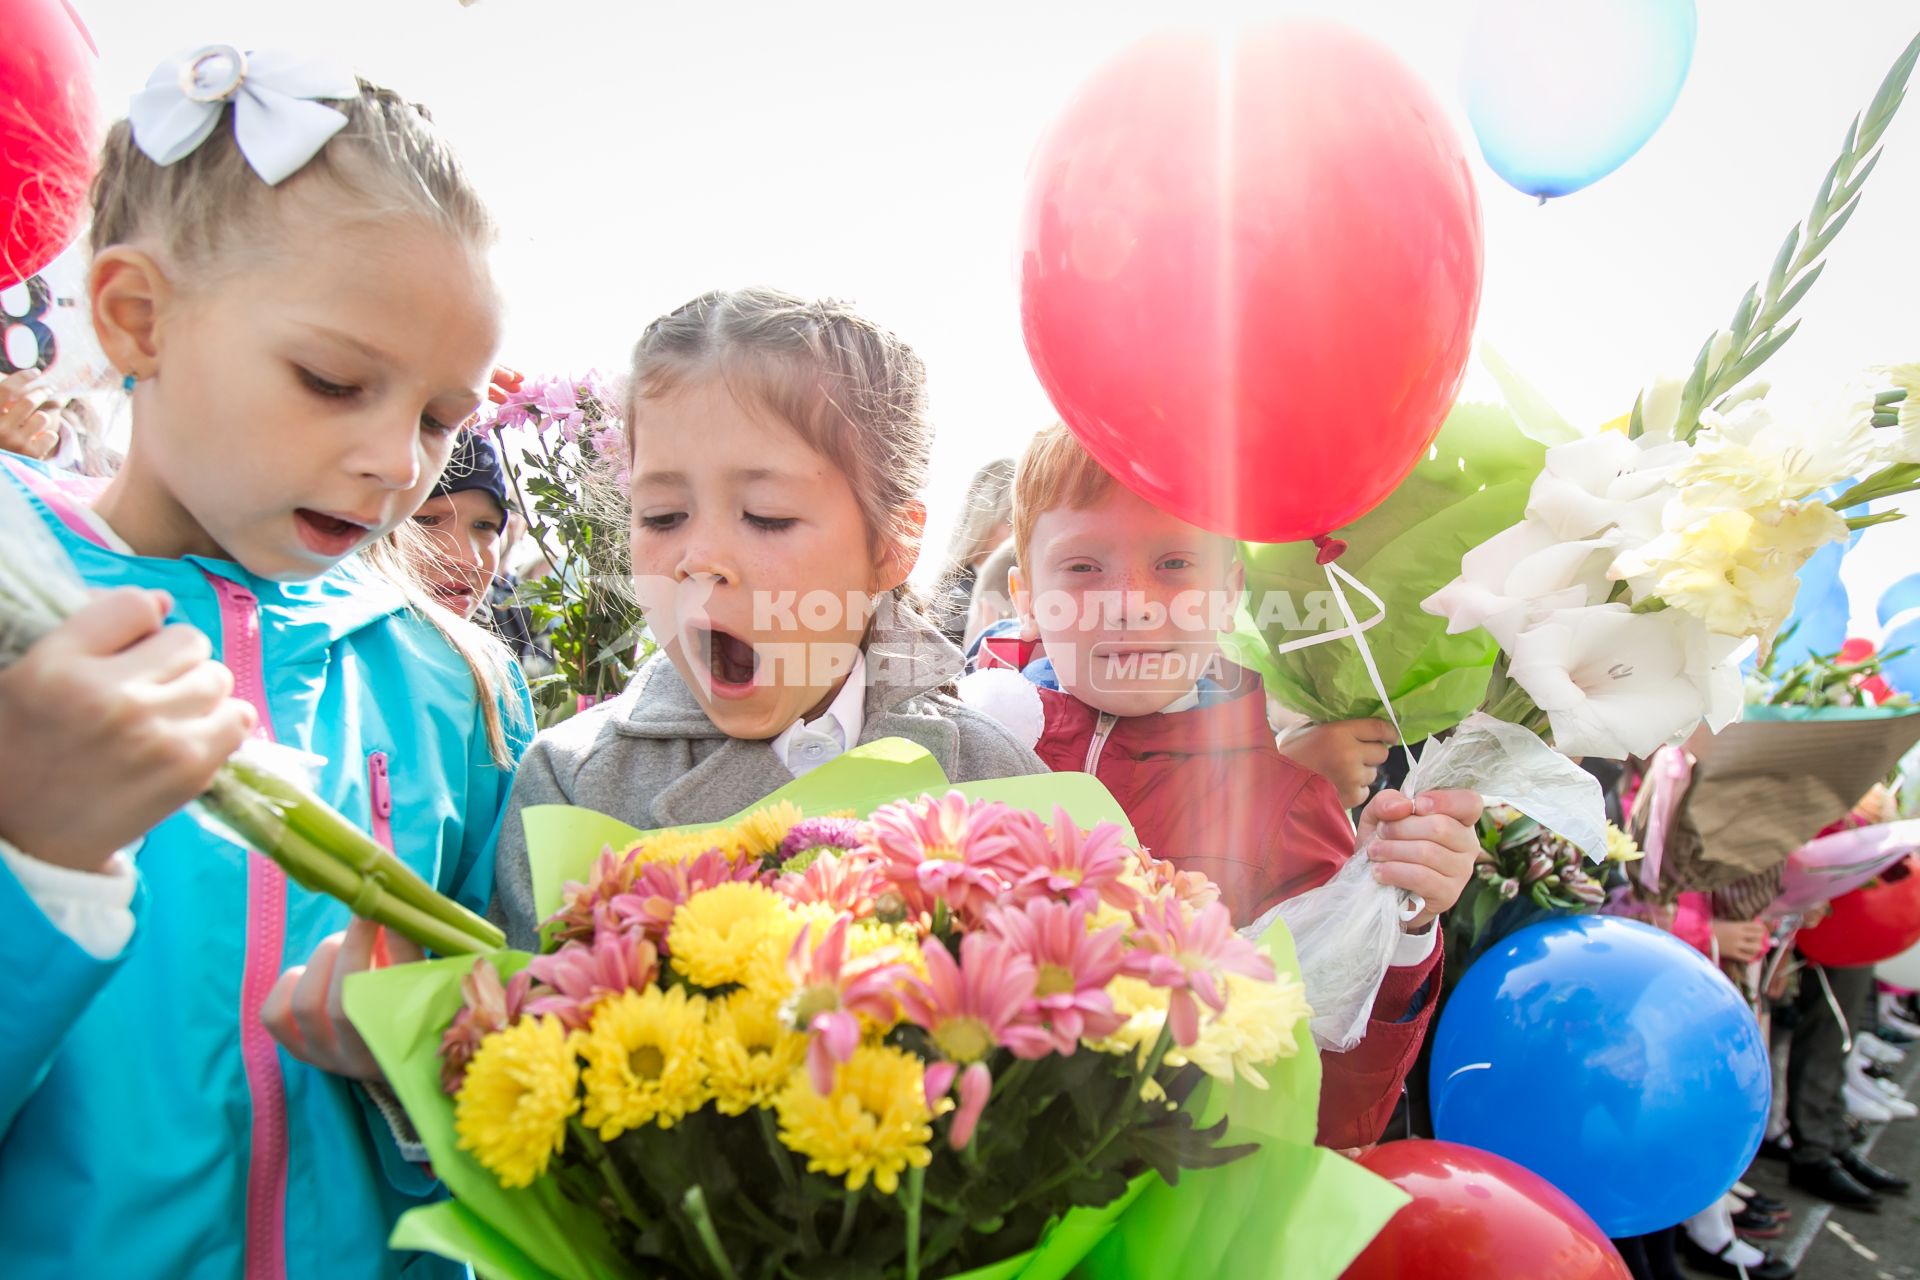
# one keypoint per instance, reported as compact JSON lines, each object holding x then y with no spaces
{"x":1190,"y":953}
{"x":848,"y":884}
{"x":577,"y":977}
{"x":830,"y":993}
{"x":948,"y":850}
{"x":1063,"y":862}
{"x":612,"y":875}
{"x":486,"y":1006}
{"x":1072,"y":968}
{"x":658,"y":889}
{"x":1164,"y":880}
{"x":967,"y":1010}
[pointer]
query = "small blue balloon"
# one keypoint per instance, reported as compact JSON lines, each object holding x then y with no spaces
{"x":1611,"y":1059}
{"x":1822,"y":610}
{"x":1898,"y":598}
{"x":1903,"y":672}
{"x":1561,"y":94}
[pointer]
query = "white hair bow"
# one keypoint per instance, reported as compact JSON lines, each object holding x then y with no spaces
{"x":275,"y":120}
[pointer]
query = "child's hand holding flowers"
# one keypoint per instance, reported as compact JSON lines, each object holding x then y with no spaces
{"x":1425,"y":844}
{"x":1347,"y":753}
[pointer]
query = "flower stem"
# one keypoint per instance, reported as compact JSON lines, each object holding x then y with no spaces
{"x":1124,"y":1119}
{"x":261,"y":824}
{"x":273,"y":806}
{"x":694,"y":1204}
{"x":850,"y":1209}
{"x":916,"y":1188}
{"x":602,"y":1161}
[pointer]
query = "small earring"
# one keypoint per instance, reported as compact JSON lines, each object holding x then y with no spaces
{"x":128,"y":383}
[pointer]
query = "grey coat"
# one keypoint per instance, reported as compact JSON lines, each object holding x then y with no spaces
{"x":652,"y":758}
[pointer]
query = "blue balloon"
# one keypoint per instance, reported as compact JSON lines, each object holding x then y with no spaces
{"x":1903,"y":672}
{"x":1611,"y":1059}
{"x":1561,"y":94}
{"x":1898,"y":598}
{"x":1821,"y":611}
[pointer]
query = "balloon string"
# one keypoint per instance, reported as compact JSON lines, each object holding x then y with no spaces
{"x":1411,"y":904}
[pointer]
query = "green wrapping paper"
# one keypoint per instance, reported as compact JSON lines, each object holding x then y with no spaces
{"x":1473,"y":483}
{"x":1290,"y":1209}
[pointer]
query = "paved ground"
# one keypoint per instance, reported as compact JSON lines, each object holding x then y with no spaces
{"x":1846,"y":1244}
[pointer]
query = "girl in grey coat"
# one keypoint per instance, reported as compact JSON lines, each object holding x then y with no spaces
{"x":776,"y":450}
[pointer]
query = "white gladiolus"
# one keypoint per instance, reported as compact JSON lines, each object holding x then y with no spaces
{"x":1615,"y":683}
{"x":1752,"y":456}
{"x":1516,"y":575}
{"x":1604,"y":485}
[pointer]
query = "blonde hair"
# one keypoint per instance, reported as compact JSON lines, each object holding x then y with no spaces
{"x":1056,"y":471}
{"x":388,"y":161}
{"x":397,"y":558}
{"x":989,"y":505}
{"x":852,"y":390}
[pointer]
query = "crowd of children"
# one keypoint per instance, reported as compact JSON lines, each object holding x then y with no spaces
{"x":296,"y":547}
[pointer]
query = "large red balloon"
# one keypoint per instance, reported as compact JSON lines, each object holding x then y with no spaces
{"x":1868,"y":925}
{"x":1249,"y":274}
{"x":1477,"y":1214}
{"x":49,"y":126}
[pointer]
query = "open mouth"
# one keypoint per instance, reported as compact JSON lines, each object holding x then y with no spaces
{"x":731,"y":662}
{"x":328,"y":535}
{"x":457,"y":596}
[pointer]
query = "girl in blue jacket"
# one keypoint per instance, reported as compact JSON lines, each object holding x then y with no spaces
{"x":289,"y":268}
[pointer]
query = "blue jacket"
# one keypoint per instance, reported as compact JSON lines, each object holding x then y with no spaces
{"x":148,"y":1124}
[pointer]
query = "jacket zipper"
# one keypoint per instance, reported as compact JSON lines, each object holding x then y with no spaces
{"x":266,"y":941}
{"x":1102,"y":730}
{"x":380,"y":787}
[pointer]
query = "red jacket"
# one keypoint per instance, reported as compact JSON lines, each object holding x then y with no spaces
{"x":1209,"y":791}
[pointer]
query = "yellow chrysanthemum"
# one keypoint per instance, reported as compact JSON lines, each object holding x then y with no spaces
{"x":685,"y":846}
{"x":766,"y":972}
{"x":874,"y":1124}
{"x":717,"y":932}
{"x":644,"y":1064}
{"x":1621,"y":846}
{"x":1256,"y":1028}
{"x":762,"y":831}
{"x":750,"y":1056}
{"x":521,"y":1086}
{"x":1145,"y":1010}
{"x":895,"y":943}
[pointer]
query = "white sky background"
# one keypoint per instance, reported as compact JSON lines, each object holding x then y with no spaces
{"x":638,"y":152}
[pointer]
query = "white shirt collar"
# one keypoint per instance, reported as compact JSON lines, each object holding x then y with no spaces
{"x":806,"y":745}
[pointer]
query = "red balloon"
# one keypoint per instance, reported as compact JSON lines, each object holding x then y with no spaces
{"x":1478,"y":1214}
{"x":1868,"y":925}
{"x":49,"y":126}
{"x":1249,"y":274}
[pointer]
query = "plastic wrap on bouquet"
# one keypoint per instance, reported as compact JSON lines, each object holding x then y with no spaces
{"x":1347,"y":929}
{"x":1821,"y":870}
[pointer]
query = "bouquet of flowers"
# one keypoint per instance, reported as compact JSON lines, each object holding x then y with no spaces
{"x":954,"y":1036}
{"x":1649,"y":556}
{"x":564,"y":452}
{"x":1848,"y":678}
{"x":1525,"y":873}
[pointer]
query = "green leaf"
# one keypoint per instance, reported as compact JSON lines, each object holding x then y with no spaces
{"x":1537,"y":418}
{"x":1404,"y":550}
{"x":1758,"y":356}
{"x":1818,"y":245}
{"x":1743,"y":314}
{"x":1800,"y":288}
{"x":1777,"y":277}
